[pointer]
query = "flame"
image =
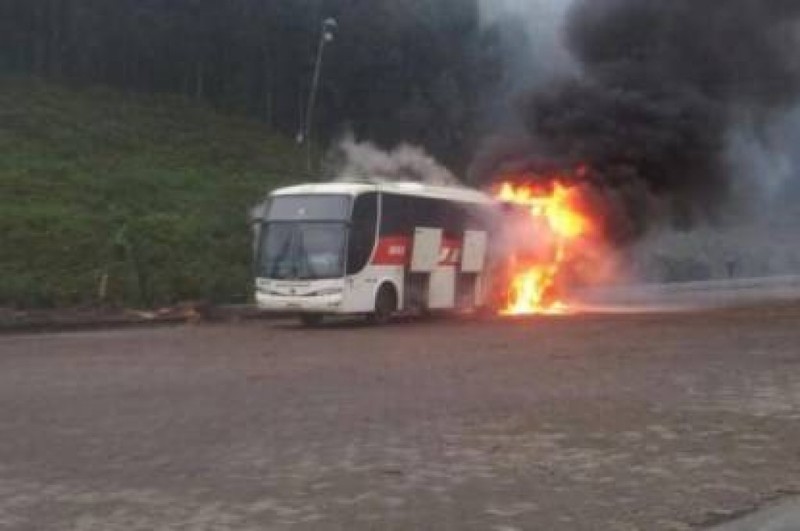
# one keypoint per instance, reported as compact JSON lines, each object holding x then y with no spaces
{"x":534,"y":281}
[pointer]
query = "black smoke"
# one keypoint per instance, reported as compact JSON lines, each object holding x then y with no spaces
{"x":661,"y":85}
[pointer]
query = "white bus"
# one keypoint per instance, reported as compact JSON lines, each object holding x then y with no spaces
{"x":372,"y":249}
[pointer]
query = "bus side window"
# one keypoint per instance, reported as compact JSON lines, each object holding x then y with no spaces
{"x":454,"y":221}
{"x":362,"y":232}
{"x":396,"y":215}
{"x":427,"y":212}
{"x":388,"y":211}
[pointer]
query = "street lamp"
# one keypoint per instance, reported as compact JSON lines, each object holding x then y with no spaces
{"x":329,"y":26}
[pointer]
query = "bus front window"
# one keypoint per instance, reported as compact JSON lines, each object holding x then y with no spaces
{"x":275,"y":256}
{"x":302,"y":251}
{"x":320,"y":250}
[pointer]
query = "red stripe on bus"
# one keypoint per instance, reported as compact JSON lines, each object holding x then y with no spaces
{"x":393,"y":250}
{"x":396,"y":250}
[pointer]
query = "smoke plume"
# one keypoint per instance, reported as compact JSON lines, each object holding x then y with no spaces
{"x":351,"y":160}
{"x":667,"y":97}
{"x":528,"y":34}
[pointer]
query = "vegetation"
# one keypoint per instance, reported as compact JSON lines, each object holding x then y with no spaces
{"x":120,"y":199}
{"x":393,"y":68}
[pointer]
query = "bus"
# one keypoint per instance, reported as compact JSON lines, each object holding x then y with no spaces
{"x":373,"y":250}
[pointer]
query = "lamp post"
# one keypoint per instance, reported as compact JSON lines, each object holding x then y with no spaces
{"x":329,"y":25}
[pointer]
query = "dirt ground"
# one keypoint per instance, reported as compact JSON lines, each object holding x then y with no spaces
{"x":619,"y":422}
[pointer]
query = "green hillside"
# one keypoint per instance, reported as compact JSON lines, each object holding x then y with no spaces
{"x":122,"y":199}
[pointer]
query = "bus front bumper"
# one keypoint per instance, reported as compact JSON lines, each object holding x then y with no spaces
{"x":301,"y":304}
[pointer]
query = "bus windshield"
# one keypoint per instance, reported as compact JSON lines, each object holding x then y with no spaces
{"x":302,"y":250}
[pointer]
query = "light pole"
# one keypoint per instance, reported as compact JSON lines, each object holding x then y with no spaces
{"x":329,"y":25}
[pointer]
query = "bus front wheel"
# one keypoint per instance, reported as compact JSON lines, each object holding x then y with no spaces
{"x":385,"y":305}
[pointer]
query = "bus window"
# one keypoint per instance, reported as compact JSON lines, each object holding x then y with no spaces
{"x":276,"y":257}
{"x":395,"y":215}
{"x":362,"y":232}
{"x":302,"y":251}
{"x":426,"y":212}
{"x":400,"y":215}
{"x":454,"y":219}
{"x":319,"y":250}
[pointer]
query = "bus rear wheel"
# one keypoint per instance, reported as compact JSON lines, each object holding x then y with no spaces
{"x":385,"y":305}
{"x":311,"y":319}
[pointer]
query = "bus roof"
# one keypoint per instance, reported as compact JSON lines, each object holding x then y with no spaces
{"x":451,"y":193}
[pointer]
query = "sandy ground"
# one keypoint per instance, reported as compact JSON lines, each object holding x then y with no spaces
{"x":619,"y":422}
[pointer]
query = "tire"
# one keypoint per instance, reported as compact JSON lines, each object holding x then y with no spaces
{"x":385,"y":305}
{"x":311,"y":319}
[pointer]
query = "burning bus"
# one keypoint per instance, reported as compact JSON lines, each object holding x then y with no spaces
{"x":378,"y":249}
{"x":374,"y":250}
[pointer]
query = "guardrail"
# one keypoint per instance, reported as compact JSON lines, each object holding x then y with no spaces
{"x":706,"y":293}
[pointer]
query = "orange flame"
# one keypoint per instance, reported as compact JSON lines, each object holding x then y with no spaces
{"x":534,"y":280}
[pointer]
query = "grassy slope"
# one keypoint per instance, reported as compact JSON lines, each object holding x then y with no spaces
{"x":152,"y":192}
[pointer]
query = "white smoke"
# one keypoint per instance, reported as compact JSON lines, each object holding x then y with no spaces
{"x":364,"y":161}
{"x":764,"y":159}
{"x":713,"y":253}
{"x":758,"y":236}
